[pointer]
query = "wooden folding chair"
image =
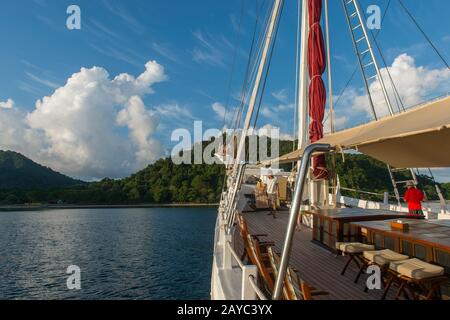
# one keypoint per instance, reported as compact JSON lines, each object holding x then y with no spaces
{"x":354,"y":252}
{"x":259,"y":256}
{"x":256,"y":252}
{"x":246,"y":238}
{"x":418,"y":279}
{"x":294,"y":288}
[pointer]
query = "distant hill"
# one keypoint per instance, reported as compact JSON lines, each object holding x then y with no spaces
{"x":24,"y":181}
{"x":19,"y":172}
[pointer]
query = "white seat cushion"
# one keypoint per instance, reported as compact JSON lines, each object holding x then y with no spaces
{"x":416,"y":269}
{"x":353,"y":247}
{"x":384,"y":257}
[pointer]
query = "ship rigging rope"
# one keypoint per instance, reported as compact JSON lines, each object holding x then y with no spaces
{"x":277,"y":27}
{"x":398,"y":99}
{"x":235,"y":118}
{"x":423,"y":33}
{"x":237,"y":109}
{"x":250,"y":69}
{"x":396,"y":93}
{"x":356,"y":66}
{"x":258,"y":56}
{"x":238,"y":33}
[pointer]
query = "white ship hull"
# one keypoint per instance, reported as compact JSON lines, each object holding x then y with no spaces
{"x":230,"y":282}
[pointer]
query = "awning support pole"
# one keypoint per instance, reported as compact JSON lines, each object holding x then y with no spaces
{"x":293,"y":215}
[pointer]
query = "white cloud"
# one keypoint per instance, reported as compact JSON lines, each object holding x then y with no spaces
{"x":40,"y":80}
{"x":278,"y":112}
{"x":165,"y":51}
{"x":268,"y":130}
{"x":339,"y":123}
{"x":128,"y":18}
{"x":76,"y":129}
{"x":211,"y":50}
{"x":141,"y":123}
{"x":415,"y":84}
{"x":442,"y":175}
{"x":174,"y":111}
{"x":11,"y":128}
{"x":281,"y":95}
{"x":267,"y":112}
{"x":222,"y":113}
{"x":236,"y":24}
{"x":8,"y":104}
{"x":117,"y":54}
{"x":219,"y":109}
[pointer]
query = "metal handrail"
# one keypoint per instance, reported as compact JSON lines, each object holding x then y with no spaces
{"x":233,"y":204}
{"x":365,"y":192}
{"x":293,"y":215}
{"x":251,"y":278}
{"x":255,"y":287}
{"x":235,"y":255}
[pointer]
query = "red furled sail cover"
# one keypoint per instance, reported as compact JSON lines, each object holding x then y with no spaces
{"x":317,"y":91}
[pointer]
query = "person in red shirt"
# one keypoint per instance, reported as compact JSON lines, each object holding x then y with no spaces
{"x":414,"y":197}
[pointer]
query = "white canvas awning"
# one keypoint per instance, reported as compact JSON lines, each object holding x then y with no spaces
{"x":417,"y":138}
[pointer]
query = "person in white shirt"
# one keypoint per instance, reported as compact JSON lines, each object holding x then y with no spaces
{"x":264,"y":174}
{"x":272,"y":192}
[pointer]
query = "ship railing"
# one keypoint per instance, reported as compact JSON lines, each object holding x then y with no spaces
{"x":382,"y":195}
{"x":254,"y":284}
{"x":294,"y":213}
{"x":249,"y":286}
{"x":443,"y":209}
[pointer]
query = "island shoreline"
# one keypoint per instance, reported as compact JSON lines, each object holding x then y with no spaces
{"x":105,"y":206}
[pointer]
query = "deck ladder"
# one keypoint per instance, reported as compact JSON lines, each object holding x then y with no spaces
{"x":365,"y":54}
{"x":396,"y":183}
{"x":371,"y":74}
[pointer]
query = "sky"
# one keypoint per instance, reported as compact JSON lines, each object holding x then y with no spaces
{"x":104,"y":100}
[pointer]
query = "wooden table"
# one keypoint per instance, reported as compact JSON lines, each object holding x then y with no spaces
{"x":427,"y":240}
{"x":333,"y":225}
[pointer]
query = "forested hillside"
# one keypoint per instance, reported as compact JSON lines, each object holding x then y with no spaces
{"x":165,"y":182}
{"x":17,"y":171}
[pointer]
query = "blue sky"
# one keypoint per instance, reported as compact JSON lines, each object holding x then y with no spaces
{"x":194,"y":41}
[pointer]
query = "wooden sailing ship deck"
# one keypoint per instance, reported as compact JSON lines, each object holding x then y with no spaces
{"x":315,"y":264}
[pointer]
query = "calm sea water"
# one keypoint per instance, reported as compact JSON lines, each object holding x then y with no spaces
{"x":157,"y":253}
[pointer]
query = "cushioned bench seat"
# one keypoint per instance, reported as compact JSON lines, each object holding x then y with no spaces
{"x":384,"y":257}
{"x":416,"y":269}
{"x":353,"y":247}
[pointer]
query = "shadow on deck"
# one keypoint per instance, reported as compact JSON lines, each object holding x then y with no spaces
{"x":315,"y":264}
